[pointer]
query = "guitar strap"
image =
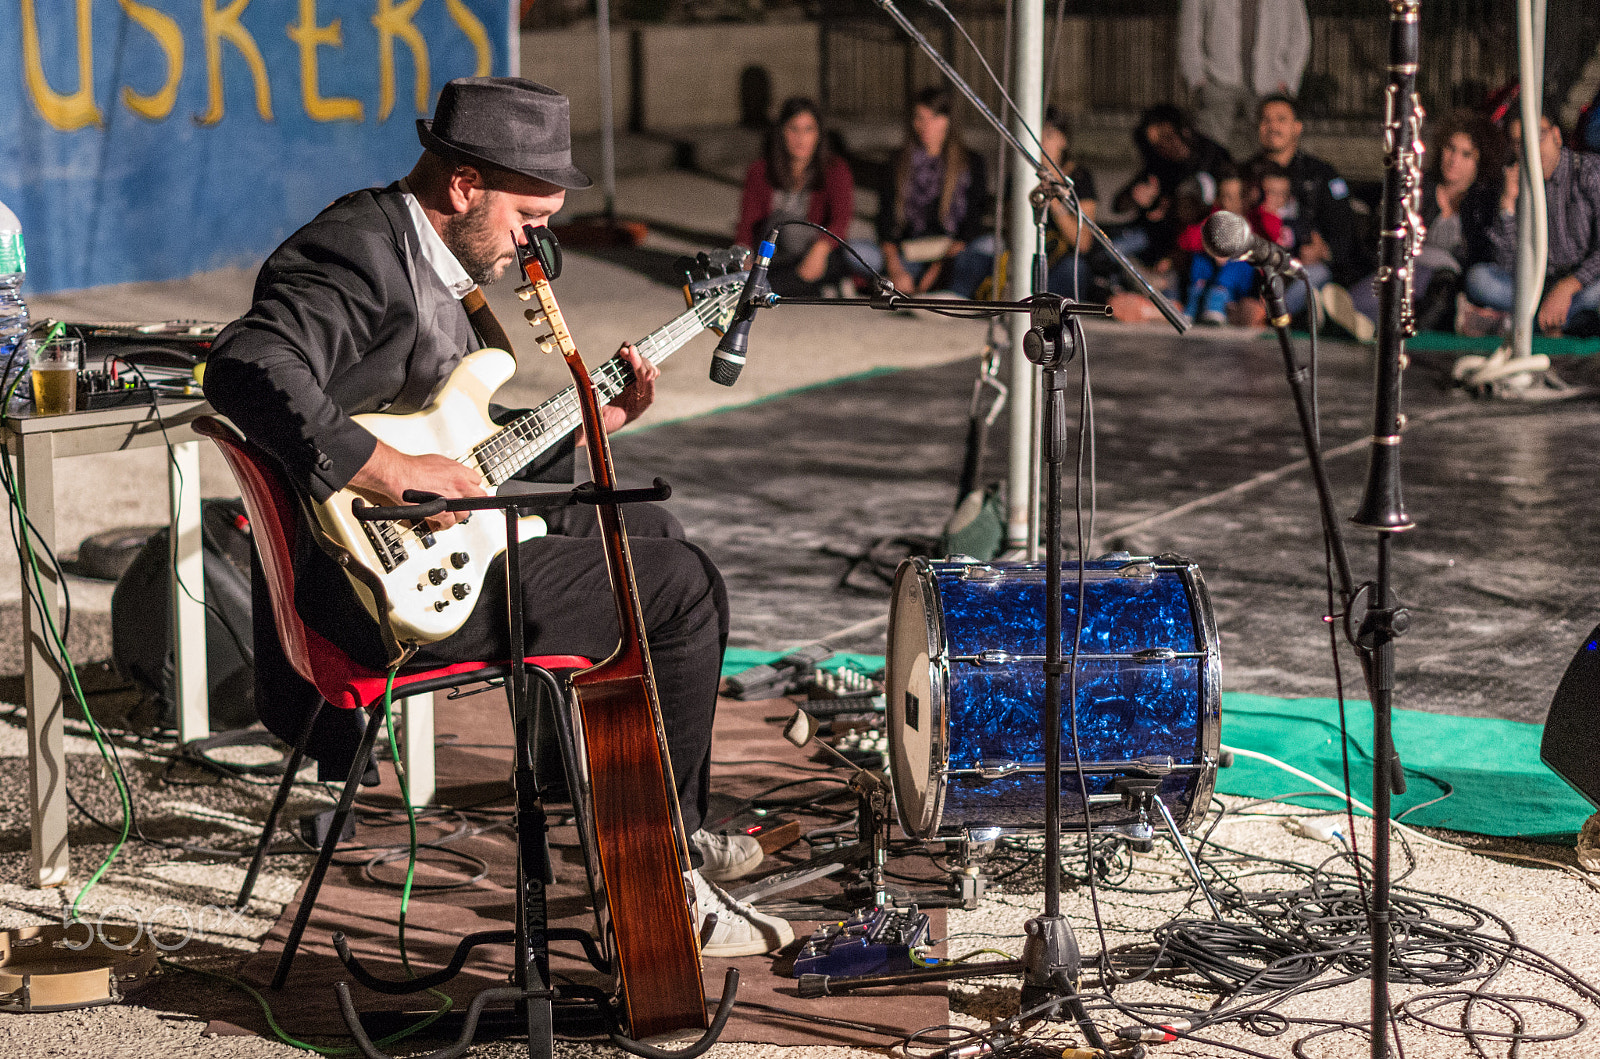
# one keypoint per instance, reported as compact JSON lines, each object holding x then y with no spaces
{"x":485,"y":322}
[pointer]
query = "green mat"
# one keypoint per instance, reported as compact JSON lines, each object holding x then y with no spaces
{"x":1448,"y":342}
{"x":1485,"y":773}
{"x":1489,"y":768}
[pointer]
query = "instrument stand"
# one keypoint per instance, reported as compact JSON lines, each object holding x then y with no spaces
{"x":870,"y":887}
{"x":537,"y":1009}
{"x":1383,"y":511}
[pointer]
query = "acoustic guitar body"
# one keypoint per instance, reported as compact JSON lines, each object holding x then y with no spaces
{"x":635,"y":828}
{"x":635,"y":835}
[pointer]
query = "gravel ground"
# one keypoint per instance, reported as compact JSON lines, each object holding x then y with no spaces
{"x":185,"y":897}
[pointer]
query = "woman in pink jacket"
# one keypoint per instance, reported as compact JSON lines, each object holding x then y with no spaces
{"x":798,"y":179}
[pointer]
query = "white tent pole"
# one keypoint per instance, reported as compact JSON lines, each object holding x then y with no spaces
{"x":608,"y":141}
{"x":1027,"y":89}
{"x":1533,"y":243}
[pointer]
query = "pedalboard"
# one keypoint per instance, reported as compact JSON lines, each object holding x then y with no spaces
{"x":876,"y":941}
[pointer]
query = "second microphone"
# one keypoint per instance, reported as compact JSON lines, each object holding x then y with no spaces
{"x":728,"y":360}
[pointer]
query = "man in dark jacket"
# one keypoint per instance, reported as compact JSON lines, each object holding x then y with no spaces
{"x":1572,"y":201}
{"x":1319,"y":213}
{"x":360,"y":311}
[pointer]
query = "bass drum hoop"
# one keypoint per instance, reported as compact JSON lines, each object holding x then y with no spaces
{"x":932,"y":663}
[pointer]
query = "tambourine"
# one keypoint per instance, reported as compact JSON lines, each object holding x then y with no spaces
{"x":57,"y":968}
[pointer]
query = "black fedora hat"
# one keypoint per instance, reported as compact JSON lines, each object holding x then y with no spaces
{"x":509,"y":122}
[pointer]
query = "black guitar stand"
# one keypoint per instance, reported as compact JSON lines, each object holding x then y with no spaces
{"x":532,"y":1003}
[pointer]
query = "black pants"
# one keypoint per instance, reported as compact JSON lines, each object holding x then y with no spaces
{"x":569,"y":609}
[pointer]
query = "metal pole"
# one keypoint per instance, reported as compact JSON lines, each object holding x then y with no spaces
{"x":1027,"y":88}
{"x":1532,"y":222}
{"x":608,"y":132}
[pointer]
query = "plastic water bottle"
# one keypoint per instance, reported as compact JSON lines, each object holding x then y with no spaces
{"x":13,"y":310}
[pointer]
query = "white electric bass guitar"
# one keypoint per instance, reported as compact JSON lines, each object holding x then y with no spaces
{"x":420,"y":585}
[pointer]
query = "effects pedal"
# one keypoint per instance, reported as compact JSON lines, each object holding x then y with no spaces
{"x":878,"y":941}
{"x":845,"y":682}
{"x":867,"y":747}
{"x":107,"y":389}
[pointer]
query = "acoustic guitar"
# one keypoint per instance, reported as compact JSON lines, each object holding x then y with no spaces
{"x":421,"y":585}
{"x":636,"y":831}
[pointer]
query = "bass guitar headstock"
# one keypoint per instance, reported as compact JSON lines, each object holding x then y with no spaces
{"x":713,"y":282}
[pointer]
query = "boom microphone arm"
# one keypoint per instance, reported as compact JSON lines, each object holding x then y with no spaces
{"x":1166,"y":308}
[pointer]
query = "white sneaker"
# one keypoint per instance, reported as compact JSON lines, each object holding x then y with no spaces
{"x":1336,"y":302}
{"x":740,"y":930}
{"x":726,"y":857}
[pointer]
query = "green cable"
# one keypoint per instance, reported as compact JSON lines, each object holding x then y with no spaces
{"x":278,"y":1031}
{"x":77,"y":691}
{"x":405,"y":900}
{"x":445,"y":1002}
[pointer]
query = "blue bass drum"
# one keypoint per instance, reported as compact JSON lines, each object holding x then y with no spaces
{"x":965,"y":686}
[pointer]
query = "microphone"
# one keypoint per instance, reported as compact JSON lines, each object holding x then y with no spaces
{"x":1228,"y":235}
{"x":728,"y":360}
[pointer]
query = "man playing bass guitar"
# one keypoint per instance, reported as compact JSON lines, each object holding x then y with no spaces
{"x":361,"y":312}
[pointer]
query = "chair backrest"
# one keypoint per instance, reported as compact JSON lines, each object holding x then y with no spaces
{"x":274,"y":526}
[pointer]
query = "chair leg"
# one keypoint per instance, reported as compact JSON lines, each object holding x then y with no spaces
{"x":347,"y":798}
{"x":278,"y":802}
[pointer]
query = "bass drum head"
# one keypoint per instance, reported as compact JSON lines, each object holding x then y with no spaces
{"x":914,"y":702}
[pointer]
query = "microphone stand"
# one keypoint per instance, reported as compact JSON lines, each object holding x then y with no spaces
{"x":1166,"y":308}
{"x":1051,"y":960}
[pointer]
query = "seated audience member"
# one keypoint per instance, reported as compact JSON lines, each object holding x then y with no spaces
{"x":1218,"y":291}
{"x":1572,"y":199}
{"x":1145,"y":213}
{"x":1318,"y":212}
{"x":1459,"y":192}
{"x":798,"y":179}
{"x":934,"y":200}
{"x":1066,"y":242}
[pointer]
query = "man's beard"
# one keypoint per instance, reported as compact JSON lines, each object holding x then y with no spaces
{"x":475,"y":243}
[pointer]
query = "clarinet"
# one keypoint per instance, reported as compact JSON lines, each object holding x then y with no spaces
{"x":1401,"y":239}
{"x":1381,"y":508}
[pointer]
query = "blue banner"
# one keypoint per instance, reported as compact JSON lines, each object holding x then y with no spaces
{"x":149,"y":139}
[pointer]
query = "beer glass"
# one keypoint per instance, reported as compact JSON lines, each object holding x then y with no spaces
{"x":55,"y":374}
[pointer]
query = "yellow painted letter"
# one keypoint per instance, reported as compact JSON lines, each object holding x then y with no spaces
{"x":395,"y":21}
{"x":164,"y":28}
{"x":463,"y":17}
{"x":222,"y":26}
{"x":64,"y":112}
{"x":310,"y":37}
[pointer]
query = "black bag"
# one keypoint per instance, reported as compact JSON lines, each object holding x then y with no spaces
{"x":141,"y":635}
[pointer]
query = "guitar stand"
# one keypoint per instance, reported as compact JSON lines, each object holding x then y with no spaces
{"x":535,"y":1007}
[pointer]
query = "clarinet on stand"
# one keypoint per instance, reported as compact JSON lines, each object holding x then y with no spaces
{"x":1382,"y":509}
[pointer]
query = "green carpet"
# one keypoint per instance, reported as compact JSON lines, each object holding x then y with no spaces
{"x":1481,"y":775}
{"x":1447,"y":342}
{"x":1488,"y":770}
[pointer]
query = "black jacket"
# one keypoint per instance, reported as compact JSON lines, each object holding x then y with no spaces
{"x":1323,"y":199}
{"x":331,"y":334}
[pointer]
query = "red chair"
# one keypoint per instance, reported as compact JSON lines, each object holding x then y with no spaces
{"x":343,"y":683}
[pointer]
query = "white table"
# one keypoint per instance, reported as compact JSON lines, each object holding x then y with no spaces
{"x":35,"y":444}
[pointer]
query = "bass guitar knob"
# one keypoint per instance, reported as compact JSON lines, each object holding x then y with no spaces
{"x":461,"y":590}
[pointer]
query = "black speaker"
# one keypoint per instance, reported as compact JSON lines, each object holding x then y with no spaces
{"x":1571,"y":743}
